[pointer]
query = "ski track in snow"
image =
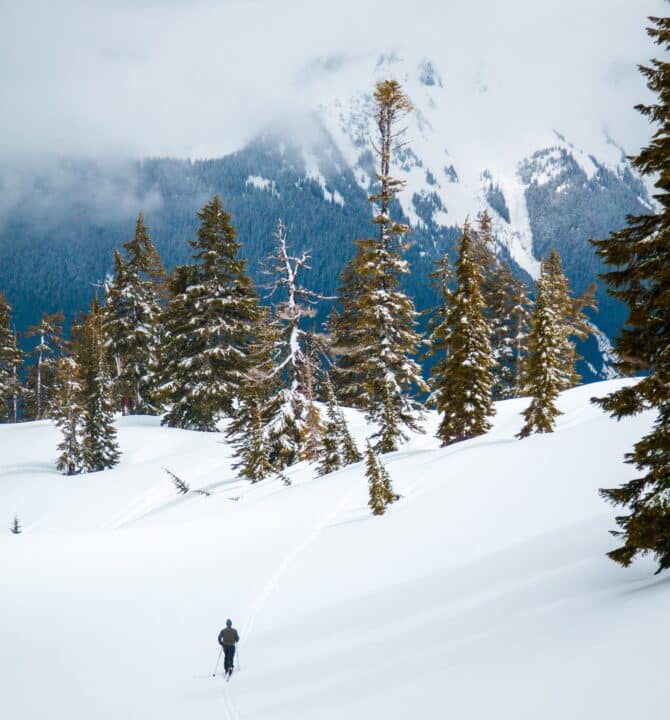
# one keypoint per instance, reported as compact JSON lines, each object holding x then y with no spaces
{"x":288,"y":560}
{"x":274,"y":579}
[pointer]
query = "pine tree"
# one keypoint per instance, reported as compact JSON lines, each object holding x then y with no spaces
{"x":544,"y":372}
{"x":11,"y":359}
{"x":641,"y":278}
{"x":381,"y":493}
{"x":132,"y":322}
{"x":484,"y":256}
{"x":314,"y":431}
{"x":375,"y":333}
{"x":462,"y":380}
{"x":573,"y":323}
{"x":508,"y":321}
{"x":520,"y":315}
{"x":208,"y":326}
{"x":40,"y":385}
{"x":551,"y":365}
{"x":339,"y":448}
{"x":251,"y":425}
{"x":67,"y":413}
{"x":100,"y":449}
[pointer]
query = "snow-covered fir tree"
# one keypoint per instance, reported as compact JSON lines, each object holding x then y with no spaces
{"x":313,"y":448}
{"x":509,"y":319}
{"x":339,"y":447}
{"x":551,"y":366}
{"x":462,"y":379}
{"x":208,"y":326}
{"x":380,"y":490}
{"x":505,"y":309}
{"x":544,"y":372}
{"x":520,"y":315}
{"x":132,"y":314}
{"x":640,"y":254}
{"x":11,"y":359}
{"x":250,"y":427}
{"x":570,"y":315}
{"x":100,"y":449}
{"x":40,"y":383}
{"x":374,"y":331}
{"x":68,"y":414}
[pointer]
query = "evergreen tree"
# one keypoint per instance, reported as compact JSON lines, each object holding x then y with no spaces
{"x":520,"y":315}
{"x":572,"y":322}
{"x":100,"y":449}
{"x":544,"y":373}
{"x":11,"y":359}
{"x":552,"y":355}
{"x":208,"y":326}
{"x":314,"y":431}
{"x":375,"y":333}
{"x":462,"y":380}
{"x":40,"y":385}
{"x":641,"y":278}
{"x":251,"y":425}
{"x":132,"y":322}
{"x":339,"y":448}
{"x":67,"y":413}
{"x":381,"y":493}
{"x":509,"y":320}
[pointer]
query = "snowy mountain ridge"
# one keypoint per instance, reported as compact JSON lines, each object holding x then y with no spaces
{"x":455,"y":166}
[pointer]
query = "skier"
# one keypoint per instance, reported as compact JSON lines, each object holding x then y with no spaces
{"x":228,"y":638}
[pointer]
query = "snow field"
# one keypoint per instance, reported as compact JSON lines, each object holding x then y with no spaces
{"x":483,"y":593}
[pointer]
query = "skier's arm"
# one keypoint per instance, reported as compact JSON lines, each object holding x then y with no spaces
{"x":221,"y":638}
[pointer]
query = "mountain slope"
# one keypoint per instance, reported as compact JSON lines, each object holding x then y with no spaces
{"x":60,"y":224}
{"x":483,"y":592}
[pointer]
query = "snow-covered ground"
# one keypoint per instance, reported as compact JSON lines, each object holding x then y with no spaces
{"x":484,"y":593}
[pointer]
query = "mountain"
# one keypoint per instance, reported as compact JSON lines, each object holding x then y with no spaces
{"x":60,"y":223}
{"x":484,"y":592}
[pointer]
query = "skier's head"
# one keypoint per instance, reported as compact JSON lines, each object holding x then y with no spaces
{"x":229,"y":623}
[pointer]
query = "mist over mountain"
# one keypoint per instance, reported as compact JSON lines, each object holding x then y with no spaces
{"x":60,"y":222}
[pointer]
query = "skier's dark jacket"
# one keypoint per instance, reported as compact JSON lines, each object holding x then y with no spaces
{"x":228,"y":636}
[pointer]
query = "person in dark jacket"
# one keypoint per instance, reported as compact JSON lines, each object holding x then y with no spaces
{"x":228,"y":638}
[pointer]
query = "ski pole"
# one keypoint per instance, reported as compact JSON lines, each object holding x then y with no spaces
{"x":218,"y":659}
{"x":239,"y":667}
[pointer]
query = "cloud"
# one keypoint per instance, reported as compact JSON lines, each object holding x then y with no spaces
{"x":199,"y":78}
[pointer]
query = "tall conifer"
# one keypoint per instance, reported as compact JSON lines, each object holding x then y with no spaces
{"x":641,"y":278}
{"x":462,"y":379}
{"x":558,"y":319}
{"x":208,"y":326}
{"x":132,"y":322}
{"x":40,"y":385}
{"x":100,"y":449}
{"x":375,"y":332}
{"x":544,"y":375}
{"x":11,"y":359}
{"x":68,"y":414}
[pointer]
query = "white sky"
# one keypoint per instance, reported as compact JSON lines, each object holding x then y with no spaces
{"x":199,"y":77}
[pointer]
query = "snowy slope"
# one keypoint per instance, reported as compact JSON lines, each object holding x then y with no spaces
{"x":483,"y":593}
